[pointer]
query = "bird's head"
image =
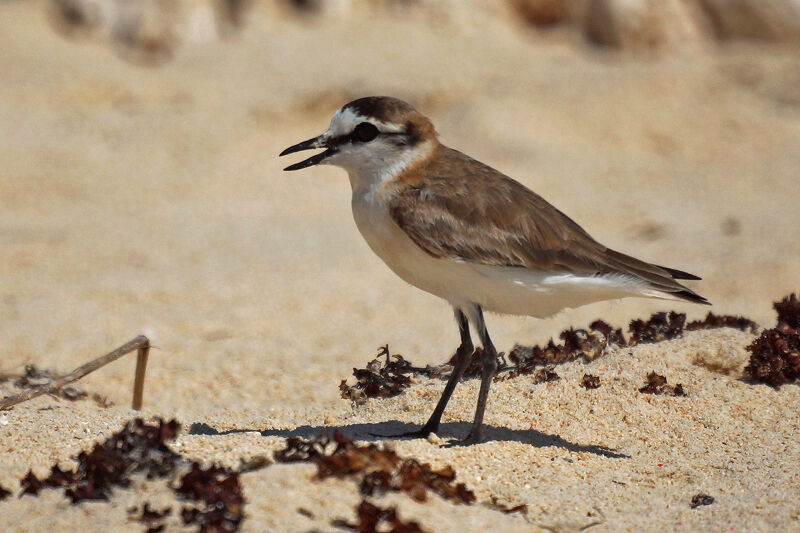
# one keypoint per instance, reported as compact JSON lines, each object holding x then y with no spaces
{"x":376,"y":135}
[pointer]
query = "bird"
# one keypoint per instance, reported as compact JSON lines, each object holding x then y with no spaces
{"x":467,"y":233}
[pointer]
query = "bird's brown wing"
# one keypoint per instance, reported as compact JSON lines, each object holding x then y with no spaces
{"x":487,"y":218}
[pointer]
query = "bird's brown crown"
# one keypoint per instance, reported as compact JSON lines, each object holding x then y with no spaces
{"x":395,"y":111}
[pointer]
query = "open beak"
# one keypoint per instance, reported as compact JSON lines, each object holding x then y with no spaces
{"x":311,"y":144}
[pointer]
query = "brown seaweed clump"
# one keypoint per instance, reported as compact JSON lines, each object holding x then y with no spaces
{"x":377,"y":380}
{"x":577,"y":343}
{"x":217,"y":501}
{"x":152,"y":518}
{"x":372,"y":518}
{"x":701,"y":499}
{"x":712,"y":321}
{"x":137,"y":448}
{"x":590,"y":344}
{"x":545,"y":375}
{"x":34,"y":377}
{"x":660,"y":327}
{"x":789,"y":311}
{"x":775,"y":354}
{"x":507,"y":509}
{"x":377,"y":470}
{"x":217,"y":496}
{"x":590,"y":382}
{"x":666,"y":326}
{"x":657,"y":384}
{"x":390,"y":379}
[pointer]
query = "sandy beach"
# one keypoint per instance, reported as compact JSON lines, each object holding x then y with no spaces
{"x":150,"y":199}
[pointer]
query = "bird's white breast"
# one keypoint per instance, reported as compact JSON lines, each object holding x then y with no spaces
{"x":397,"y":250}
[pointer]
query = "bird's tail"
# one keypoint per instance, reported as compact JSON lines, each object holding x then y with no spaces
{"x":661,"y":281}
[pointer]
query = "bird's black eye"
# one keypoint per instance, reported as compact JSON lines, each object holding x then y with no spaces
{"x":365,"y":132}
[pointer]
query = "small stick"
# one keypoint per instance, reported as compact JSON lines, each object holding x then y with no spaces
{"x":140,"y":343}
{"x":141,"y":366}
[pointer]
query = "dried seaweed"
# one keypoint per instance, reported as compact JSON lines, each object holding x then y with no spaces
{"x":152,"y":518}
{"x":217,"y":493}
{"x":390,"y":379}
{"x":612,"y":337}
{"x":591,"y":343}
{"x":701,"y":499}
{"x":775,"y":354}
{"x":590,"y":382}
{"x":521,"y":508}
{"x":665,"y":326}
{"x":414,"y":477}
{"x":377,"y":380}
{"x":660,"y":327}
{"x":657,"y":384}
{"x":712,"y":321}
{"x":376,"y":470}
{"x":214,"y":492}
{"x":789,"y":311}
{"x":372,"y":518}
{"x":33,"y":377}
{"x":30,"y":484}
{"x":137,"y":448}
{"x":577,"y":343}
{"x":545,"y":375}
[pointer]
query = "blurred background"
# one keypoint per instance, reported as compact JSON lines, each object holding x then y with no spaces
{"x":140,"y":189}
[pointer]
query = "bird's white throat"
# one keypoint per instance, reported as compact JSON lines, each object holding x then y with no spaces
{"x":368,"y":172}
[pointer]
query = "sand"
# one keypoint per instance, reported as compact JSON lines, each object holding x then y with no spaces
{"x":150,"y":200}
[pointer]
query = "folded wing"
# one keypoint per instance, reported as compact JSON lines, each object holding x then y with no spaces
{"x":491,"y":219}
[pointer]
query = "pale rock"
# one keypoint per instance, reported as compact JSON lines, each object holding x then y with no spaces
{"x":770,"y":20}
{"x":645,"y":24}
{"x":544,"y":13}
{"x":148,"y":31}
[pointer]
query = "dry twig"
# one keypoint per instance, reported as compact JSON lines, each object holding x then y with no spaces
{"x":140,"y":343}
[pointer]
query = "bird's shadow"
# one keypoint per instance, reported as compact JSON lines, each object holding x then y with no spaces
{"x":390,"y":429}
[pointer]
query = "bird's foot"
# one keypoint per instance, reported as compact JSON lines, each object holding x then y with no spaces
{"x":420,"y":433}
{"x":469,"y":440}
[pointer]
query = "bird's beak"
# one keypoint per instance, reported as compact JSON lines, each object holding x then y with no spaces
{"x":311,"y":144}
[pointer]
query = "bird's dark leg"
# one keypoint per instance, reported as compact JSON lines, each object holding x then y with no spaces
{"x":463,"y":356}
{"x":489,"y":362}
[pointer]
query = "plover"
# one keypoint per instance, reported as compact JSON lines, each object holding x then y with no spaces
{"x":463,"y":231}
